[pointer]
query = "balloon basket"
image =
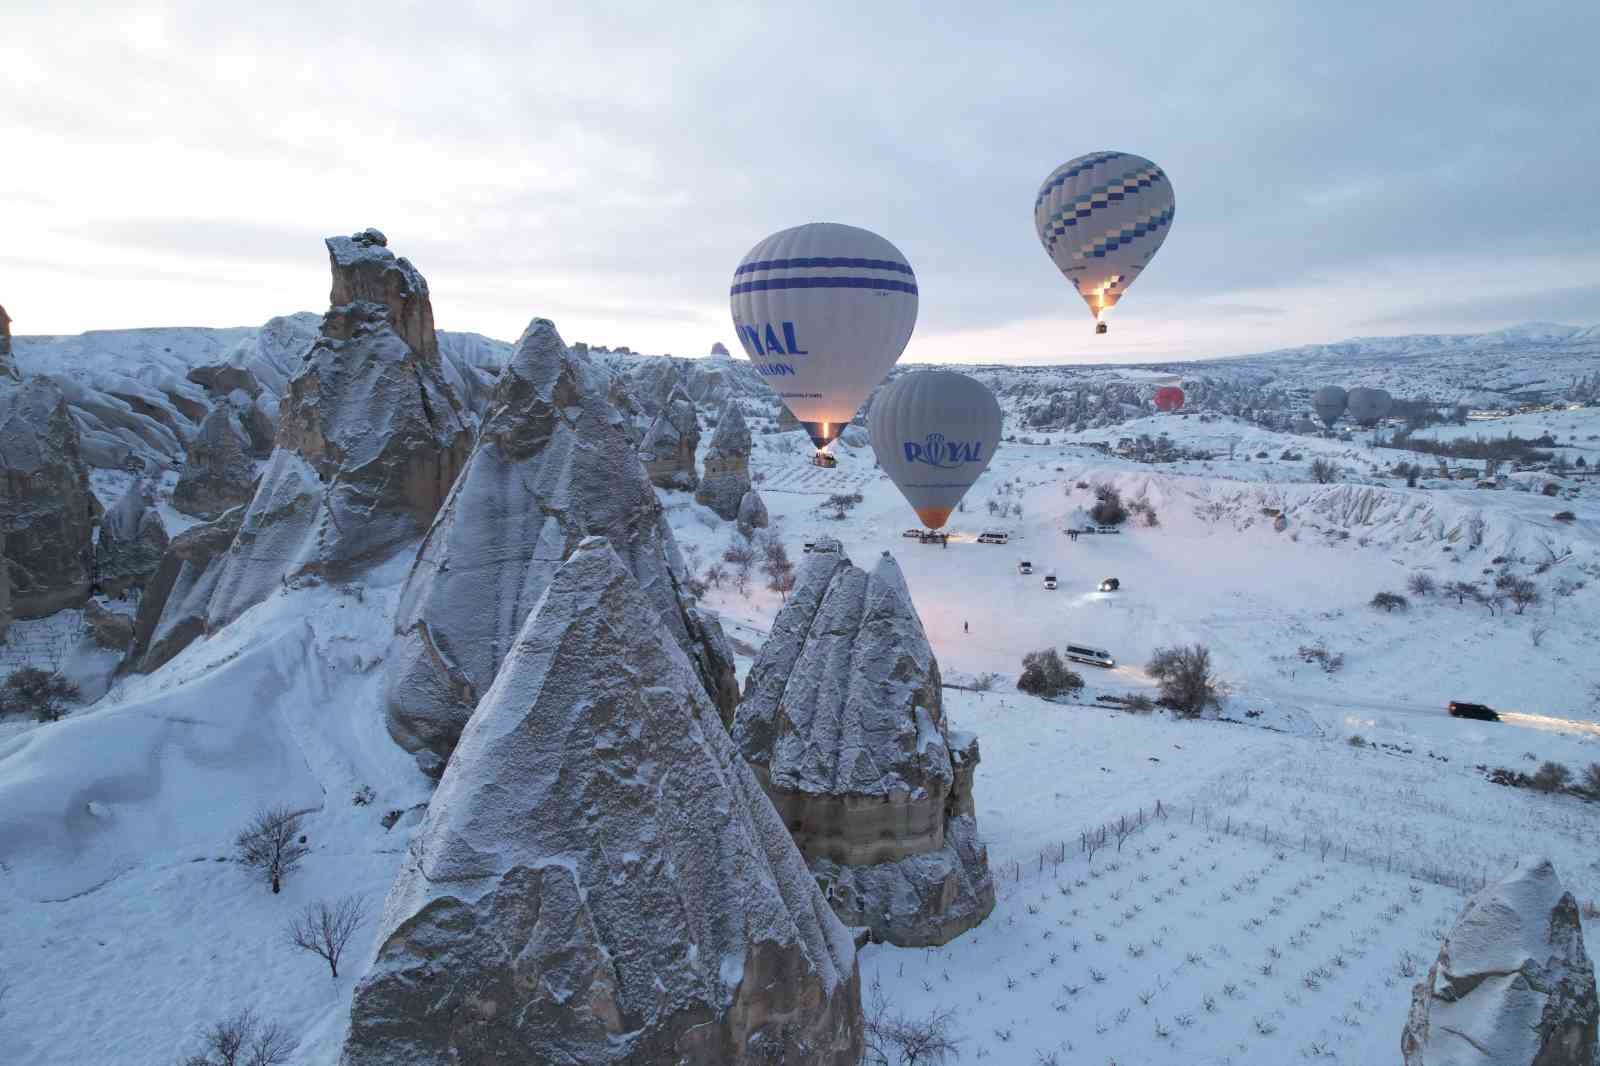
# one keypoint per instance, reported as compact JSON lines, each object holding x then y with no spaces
{"x":1099,"y":328}
{"x":824,"y":460}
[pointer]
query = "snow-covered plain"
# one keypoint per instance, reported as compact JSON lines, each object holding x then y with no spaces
{"x":1276,"y":908}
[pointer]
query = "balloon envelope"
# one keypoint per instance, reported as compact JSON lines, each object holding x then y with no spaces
{"x":934,"y":432}
{"x":823,"y":311}
{"x":1368,"y":406}
{"x":1329,"y":403}
{"x":1169,"y":398}
{"x":1100,"y":218}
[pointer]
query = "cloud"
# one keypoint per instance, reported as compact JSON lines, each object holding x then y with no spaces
{"x":616,"y":161}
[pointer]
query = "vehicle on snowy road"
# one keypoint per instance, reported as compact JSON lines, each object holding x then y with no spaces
{"x":912,"y":533}
{"x":1477,"y":711}
{"x":993,"y":537}
{"x":1024,"y":567}
{"x":1049,"y":581}
{"x":1110,"y":584}
{"x":1079,"y":653}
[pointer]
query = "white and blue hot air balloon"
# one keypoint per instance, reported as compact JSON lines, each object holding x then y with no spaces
{"x":823,"y":311}
{"x":934,"y":432}
{"x":1101,"y":217}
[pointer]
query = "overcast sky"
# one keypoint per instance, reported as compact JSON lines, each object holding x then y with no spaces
{"x":1340,"y":168}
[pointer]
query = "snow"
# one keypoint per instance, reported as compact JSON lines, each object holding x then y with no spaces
{"x":1277,"y":835}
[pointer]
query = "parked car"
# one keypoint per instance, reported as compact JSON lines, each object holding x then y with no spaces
{"x":1110,"y":584}
{"x":812,"y":546}
{"x":1049,"y":581}
{"x":1081,"y":653}
{"x":1024,"y":567}
{"x":1108,"y":529}
{"x":1458,"y":709}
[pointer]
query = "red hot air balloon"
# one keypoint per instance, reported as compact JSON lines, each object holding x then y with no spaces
{"x":1169,"y":398}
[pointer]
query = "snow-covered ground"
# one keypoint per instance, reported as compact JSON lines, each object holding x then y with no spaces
{"x":1291,"y":888}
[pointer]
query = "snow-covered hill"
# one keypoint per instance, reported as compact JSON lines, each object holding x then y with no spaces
{"x":1277,"y":905}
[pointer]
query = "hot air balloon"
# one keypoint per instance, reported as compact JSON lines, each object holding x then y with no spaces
{"x":1100,"y":218}
{"x":1329,"y":403}
{"x":1369,"y":406}
{"x":934,"y":432}
{"x":1168,"y":398}
{"x":823,"y":311}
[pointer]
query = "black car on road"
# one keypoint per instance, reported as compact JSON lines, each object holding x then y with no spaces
{"x":1458,"y":709}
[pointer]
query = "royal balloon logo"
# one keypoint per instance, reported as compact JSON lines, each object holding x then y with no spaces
{"x":937,"y":452}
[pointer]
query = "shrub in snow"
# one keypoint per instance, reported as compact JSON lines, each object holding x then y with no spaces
{"x":1108,"y":509}
{"x":1421,"y":584}
{"x":1591,"y":778}
{"x":1045,"y":674}
{"x":1323,"y":471}
{"x":1138,"y":703}
{"x":1187,"y":684}
{"x":1145,"y":511}
{"x":325,"y":928}
{"x":41,"y":693}
{"x":1390,"y":601}
{"x":1318,"y":653}
{"x":272,"y":843}
{"x":1551,"y":777}
{"x":244,"y":1040}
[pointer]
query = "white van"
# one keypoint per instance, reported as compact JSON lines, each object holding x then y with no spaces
{"x":1078,"y":653}
{"x":993,"y":537}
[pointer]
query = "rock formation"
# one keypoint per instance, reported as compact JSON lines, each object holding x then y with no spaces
{"x":843,"y":721}
{"x":172,"y":609}
{"x":5,"y":598}
{"x":219,"y":474}
{"x":255,"y":410}
{"x":109,"y":624}
{"x":552,"y":466}
{"x":718,"y":348}
{"x":370,"y":437}
{"x":46,"y":511}
{"x":598,"y":878}
{"x":8,"y":367}
{"x":752,"y":512}
{"x":1513,"y":985}
{"x":132,"y":541}
{"x":669,"y":447}
{"x":727,"y":464}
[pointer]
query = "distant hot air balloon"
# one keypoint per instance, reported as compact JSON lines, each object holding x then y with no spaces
{"x":1168,"y":398}
{"x":1329,"y":403}
{"x":1369,"y":406}
{"x":1100,"y":218}
{"x":824,"y":310}
{"x":934,"y":432}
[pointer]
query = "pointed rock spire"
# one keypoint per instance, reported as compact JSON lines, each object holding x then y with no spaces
{"x":553,"y":465}
{"x":598,"y":878}
{"x":370,"y":437}
{"x":727,"y":464}
{"x":843,"y":722}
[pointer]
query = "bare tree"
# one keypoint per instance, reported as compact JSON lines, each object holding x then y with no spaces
{"x":1324,"y":471}
{"x":272,"y":843}
{"x":244,"y":1040}
{"x":1184,"y":673}
{"x":1522,"y":592}
{"x":1390,"y":601}
{"x":1538,"y":633}
{"x":896,"y":1040}
{"x":1421,"y":584}
{"x":324,"y":928}
{"x":1462,"y":591}
{"x":782,"y":582}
